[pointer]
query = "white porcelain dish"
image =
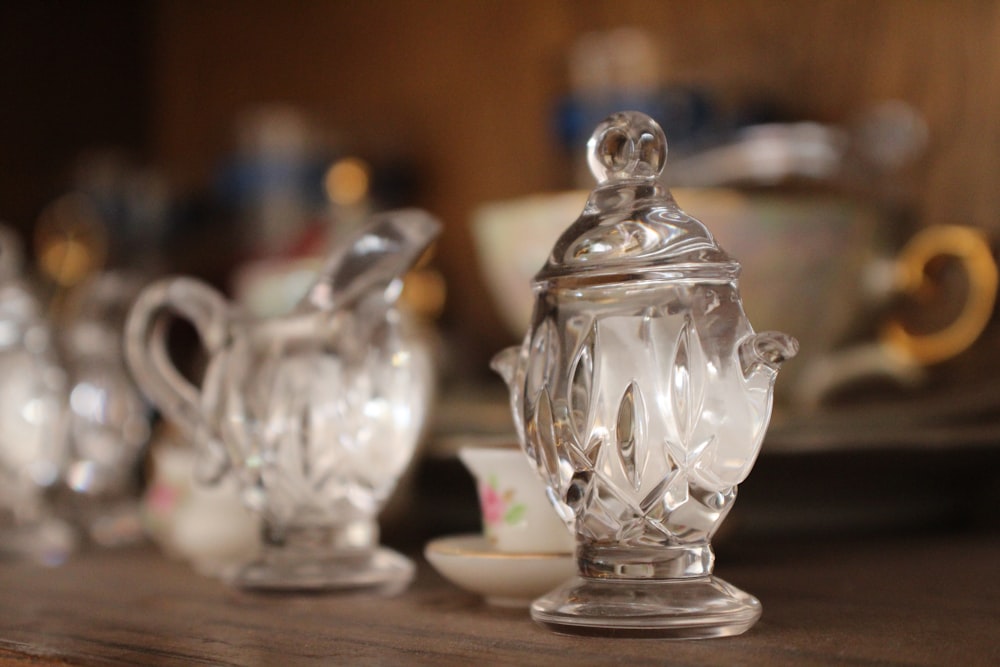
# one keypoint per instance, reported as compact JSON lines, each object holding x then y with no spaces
{"x":503,"y":579}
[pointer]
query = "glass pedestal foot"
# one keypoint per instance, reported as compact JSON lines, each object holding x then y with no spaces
{"x":684,"y":608}
{"x":381,"y":570}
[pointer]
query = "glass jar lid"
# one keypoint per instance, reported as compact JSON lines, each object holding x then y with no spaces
{"x":631,"y":227}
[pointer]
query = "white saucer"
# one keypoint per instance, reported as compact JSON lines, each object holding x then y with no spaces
{"x":504,"y":579}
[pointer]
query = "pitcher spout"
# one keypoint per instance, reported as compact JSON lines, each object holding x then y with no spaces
{"x":765,"y":352}
{"x":372,"y":260}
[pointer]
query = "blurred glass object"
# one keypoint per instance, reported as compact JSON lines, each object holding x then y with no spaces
{"x":33,"y":443}
{"x":316,"y":413}
{"x":109,"y":218}
{"x":765,"y":155}
{"x":109,"y":422}
{"x":868,"y":156}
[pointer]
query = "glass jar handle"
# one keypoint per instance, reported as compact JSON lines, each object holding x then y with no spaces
{"x":146,"y":344}
{"x":971,"y":248}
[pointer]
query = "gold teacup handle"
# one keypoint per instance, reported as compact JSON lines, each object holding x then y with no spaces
{"x":971,"y":248}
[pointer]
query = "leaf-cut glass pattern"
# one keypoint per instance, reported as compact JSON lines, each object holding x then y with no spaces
{"x":581,"y":385}
{"x":545,"y":430}
{"x":629,"y":431}
{"x":321,"y":434}
{"x":632,"y":406}
{"x":684,"y":401}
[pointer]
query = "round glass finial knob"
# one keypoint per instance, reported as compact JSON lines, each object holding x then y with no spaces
{"x":628,"y":145}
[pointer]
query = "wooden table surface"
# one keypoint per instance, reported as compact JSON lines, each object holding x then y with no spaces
{"x":915,"y":600}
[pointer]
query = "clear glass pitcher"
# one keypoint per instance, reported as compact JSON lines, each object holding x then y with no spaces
{"x":316,"y":413}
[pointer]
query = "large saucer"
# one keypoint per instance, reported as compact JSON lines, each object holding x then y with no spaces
{"x":504,"y":579}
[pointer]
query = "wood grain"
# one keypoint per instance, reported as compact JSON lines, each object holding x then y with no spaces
{"x":921,"y":602}
{"x":468,"y":89}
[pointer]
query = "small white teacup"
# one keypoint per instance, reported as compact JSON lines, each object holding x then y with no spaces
{"x":517,"y":515}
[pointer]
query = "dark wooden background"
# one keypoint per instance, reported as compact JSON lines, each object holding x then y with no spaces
{"x":468,"y":87}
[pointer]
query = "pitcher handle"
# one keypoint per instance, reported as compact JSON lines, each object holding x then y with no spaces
{"x":146,"y":344}
{"x":971,"y":248}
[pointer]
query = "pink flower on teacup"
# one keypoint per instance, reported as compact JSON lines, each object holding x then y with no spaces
{"x":498,"y":507}
{"x":492,"y":504}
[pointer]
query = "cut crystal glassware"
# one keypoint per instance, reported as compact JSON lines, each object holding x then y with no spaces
{"x":316,"y":413}
{"x":109,"y":422}
{"x":641,"y":394}
{"x":32,"y":420}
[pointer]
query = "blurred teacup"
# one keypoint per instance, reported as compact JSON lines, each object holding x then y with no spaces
{"x":823,"y":268}
{"x":819,"y":266}
{"x":517,"y":515}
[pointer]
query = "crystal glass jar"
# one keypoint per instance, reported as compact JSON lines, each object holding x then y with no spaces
{"x":642,"y":395}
